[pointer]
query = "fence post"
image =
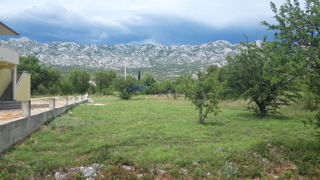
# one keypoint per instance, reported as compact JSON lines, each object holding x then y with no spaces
{"x":79,"y":98}
{"x":65,"y":101}
{"x":26,"y":108}
{"x":73,"y":99}
{"x":52,"y":103}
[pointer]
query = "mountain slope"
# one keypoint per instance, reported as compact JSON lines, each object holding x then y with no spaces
{"x":170,"y":61}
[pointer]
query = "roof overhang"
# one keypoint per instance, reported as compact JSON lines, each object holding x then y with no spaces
{"x":5,"y":30}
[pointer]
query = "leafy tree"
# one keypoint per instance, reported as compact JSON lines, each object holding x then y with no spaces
{"x":124,"y":86}
{"x":257,"y":74}
{"x":154,"y":88}
{"x":184,"y":83}
{"x":222,"y":74}
{"x":31,"y":64}
{"x":40,"y":74}
{"x":148,"y":79}
{"x":79,"y":80}
{"x":111,"y":75}
{"x":166,"y":86}
{"x":51,"y":80}
{"x":298,"y":31}
{"x":203,"y":93}
{"x":66,"y":86}
{"x":150,"y":82}
{"x":101,"y":79}
{"x":212,"y":69}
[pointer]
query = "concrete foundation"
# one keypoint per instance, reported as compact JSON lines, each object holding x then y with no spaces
{"x":17,"y":129}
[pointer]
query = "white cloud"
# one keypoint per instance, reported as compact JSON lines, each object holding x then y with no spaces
{"x":216,"y":13}
{"x":135,"y":21}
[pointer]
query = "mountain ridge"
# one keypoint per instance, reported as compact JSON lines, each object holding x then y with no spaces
{"x":171,"y":60}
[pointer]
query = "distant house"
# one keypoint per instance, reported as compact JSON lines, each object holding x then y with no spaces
{"x":14,"y":86}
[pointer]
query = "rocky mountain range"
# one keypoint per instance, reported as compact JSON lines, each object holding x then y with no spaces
{"x":163,"y":61}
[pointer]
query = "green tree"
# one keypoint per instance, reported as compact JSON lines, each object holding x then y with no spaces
{"x":51,"y":80}
{"x":298,"y":31}
{"x":203,"y":93}
{"x":212,"y":69}
{"x":31,"y":64}
{"x":111,"y":75}
{"x":148,"y":79}
{"x":152,"y":84}
{"x":166,"y":86}
{"x":66,"y":87}
{"x":40,"y":74}
{"x":79,"y":80}
{"x":257,"y":74}
{"x":124,"y":86}
{"x":184,"y":83}
{"x":101,"y":79}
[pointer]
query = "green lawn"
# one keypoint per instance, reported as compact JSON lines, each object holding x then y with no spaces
{"x":162,"y":133}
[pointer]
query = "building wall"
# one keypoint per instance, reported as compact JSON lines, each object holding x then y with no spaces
{"x":24,"y":88}
{"x":5,"y":79}
{"x":9,"y":55}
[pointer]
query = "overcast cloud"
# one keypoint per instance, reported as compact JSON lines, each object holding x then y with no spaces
{"x":167,"y":22}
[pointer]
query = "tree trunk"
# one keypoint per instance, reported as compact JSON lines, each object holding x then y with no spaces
{"x":262,"y":108}
{"x":200,"y":116}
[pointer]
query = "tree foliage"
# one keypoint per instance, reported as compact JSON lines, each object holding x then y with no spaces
{"x":203,"y":93}
{"x":40,"y":74}
{"x":184,"y":83}
{"x":124,"y":86}
{"x":212,"y":69}
{"x":257,"y":74}
{"x":166,"y":86}
{"x":148,"y":79}
{"x":66,"y":87}
{"x":101,"y":80}
{"x":79,"y":80}
{"x":298,"y":31}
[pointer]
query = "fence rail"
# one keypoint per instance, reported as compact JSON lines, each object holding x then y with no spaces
{"x":49,"y":102}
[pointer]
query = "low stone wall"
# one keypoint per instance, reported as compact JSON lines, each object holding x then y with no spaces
{"x":15,"y":130}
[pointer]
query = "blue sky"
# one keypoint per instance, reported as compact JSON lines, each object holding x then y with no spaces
{"x":166,"y":22}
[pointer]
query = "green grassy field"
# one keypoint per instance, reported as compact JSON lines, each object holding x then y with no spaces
{"x":162,"y":133}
